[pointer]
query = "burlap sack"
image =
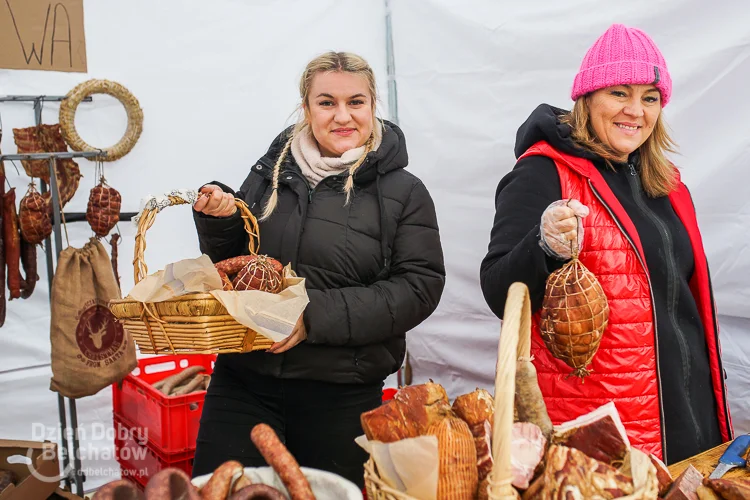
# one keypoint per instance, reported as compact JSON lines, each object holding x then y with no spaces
{"x":90,"y":349}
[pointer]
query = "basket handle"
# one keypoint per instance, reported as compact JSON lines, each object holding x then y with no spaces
{"x":515,"y":342}
{"x":145,"y":220}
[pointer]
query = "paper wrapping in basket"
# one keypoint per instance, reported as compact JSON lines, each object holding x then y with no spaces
{"x":186,"y":276}
{"x":409,"y":465}
{"x":271,"y":315}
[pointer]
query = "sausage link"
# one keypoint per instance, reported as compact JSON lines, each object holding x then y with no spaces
{"x":171,"y":484}
{"x":196,"y":383}
{"x":258,"y":492}
{"x":233,"y":265}
{"x":113,"y":242}
{"x":528,"y":398}
{"x":12,"y":244}
{"x":174,"y":380}
{"x":275,"y":453}
{"x":121,"y":489}
{"x":221,"y":481}
{"x":2,"y":247}
{"x":28,"y":262}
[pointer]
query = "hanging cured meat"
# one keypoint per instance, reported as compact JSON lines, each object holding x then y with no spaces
{"x":103,"y":210}
{"x":34,"y":217}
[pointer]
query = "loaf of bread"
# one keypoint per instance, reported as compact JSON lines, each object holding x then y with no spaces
{"x":457,"y":457}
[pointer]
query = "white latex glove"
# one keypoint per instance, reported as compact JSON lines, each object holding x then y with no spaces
{"x":561,"y":225}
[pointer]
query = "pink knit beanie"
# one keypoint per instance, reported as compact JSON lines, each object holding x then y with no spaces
{"x":623,"y":56}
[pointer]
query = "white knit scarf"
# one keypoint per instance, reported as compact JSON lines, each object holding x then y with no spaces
{"x":316,"y":167}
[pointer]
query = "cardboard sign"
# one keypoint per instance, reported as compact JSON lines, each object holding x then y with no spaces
{"x":43,"y":35}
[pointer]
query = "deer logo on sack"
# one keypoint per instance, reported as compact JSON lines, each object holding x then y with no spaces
{"x":99,"y":336}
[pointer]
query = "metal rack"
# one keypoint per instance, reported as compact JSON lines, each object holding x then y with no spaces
{"x":74,"y":473}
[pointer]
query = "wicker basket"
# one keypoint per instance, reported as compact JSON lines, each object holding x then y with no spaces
{"x":190,"y":323}
{"x":515,"y":342}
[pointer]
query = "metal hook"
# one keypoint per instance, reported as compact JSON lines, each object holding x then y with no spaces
{"x":16,"y":167}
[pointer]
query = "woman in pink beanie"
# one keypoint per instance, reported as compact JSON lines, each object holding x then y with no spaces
{"x":599,"y":176}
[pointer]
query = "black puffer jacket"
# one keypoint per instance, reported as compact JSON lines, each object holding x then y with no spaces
{"x":374,"y":268}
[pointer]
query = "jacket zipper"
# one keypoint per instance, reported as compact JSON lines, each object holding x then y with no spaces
{"x":653,"y":314}
{"x":634,"y":182}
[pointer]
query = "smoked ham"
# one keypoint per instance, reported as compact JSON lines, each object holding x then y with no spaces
{"x":34,"y":217}
{"x":527,"y":450}
{"x":424,"y":404}
{"x":409,"y":414}
{"x":457,"y":458}
{"x":387,"y":424}
{"x":570,"y":474}
{"x":730,"y":489}
{"x":477,"y":409}
{"x":685,"y":487}
{"x":662,"y":475}
{"x":599,"y":434}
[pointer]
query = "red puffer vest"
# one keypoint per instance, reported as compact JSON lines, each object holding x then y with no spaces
{"x":625,"y":369}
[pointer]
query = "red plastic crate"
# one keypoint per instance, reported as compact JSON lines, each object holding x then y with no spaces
{"x":389,"y":394}
{"x":169,"y":423}
{"x":139,"y":461}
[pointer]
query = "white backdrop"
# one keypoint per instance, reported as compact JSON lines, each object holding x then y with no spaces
{"x":218,"y":80}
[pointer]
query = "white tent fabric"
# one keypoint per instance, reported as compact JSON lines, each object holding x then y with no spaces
{"x":218,"y":80}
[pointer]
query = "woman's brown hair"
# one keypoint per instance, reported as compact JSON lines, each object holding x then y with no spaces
{"x":657,"y":172}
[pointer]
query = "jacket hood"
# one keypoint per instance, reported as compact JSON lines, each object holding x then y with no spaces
{"x":390,"y":156}
{"x":544,"y":125}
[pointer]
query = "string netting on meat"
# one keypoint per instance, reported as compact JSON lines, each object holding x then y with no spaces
{"x":103,"y":211}
{"x":574,"y":315}
{"x":259,"y":274}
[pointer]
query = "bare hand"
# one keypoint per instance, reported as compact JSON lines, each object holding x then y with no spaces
{"x":298,"y":335}
{"x":215,"y":202}
{"x":561,"y":226}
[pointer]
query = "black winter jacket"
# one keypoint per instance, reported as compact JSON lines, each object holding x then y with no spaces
{"x":373,"y":268}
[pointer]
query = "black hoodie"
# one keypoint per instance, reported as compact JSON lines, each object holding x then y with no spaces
{"x":373,"y":268}
{"x":514,"y":254}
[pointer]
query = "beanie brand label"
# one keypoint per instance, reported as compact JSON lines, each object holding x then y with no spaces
{"x":656,"y":74}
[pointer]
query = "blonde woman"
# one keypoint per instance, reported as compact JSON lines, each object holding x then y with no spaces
{"x":599,"y":176}
{"x":334,"y":200}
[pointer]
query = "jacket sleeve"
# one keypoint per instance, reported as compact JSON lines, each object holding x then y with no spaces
{"x":221,"y":237}
{"x":514,"y":253}
{"x":356,"y":316}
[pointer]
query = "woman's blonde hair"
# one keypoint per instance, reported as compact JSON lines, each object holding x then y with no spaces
{"x":657,"y":172}
{"x":328,"y":62}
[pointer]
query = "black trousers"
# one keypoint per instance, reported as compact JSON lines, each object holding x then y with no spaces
{"x":317,"y":421}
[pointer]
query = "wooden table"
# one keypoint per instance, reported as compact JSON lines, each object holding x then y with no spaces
{"x":706,"y":462}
